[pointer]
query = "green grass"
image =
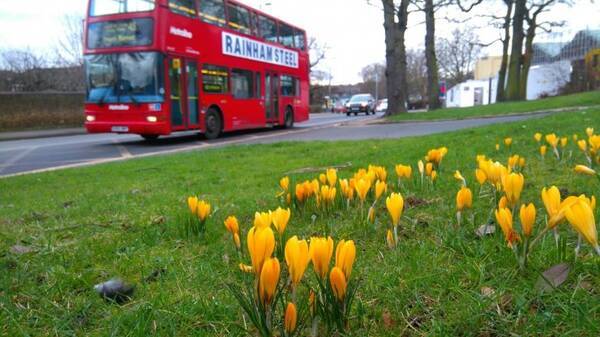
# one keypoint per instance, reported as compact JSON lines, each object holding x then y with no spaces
{"x":123,"y":219}
{"x":591,"y":98}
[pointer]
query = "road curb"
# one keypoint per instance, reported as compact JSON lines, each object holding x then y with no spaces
{"x":531,"y":113}
{"x":18,"y":135}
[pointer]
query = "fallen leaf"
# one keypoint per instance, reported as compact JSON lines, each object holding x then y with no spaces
{"x":388,"y":321}
{"x":484,"y":230}
{"x":20,"y":249}
{"x":553,"y":277}
{"x":487,"y":291}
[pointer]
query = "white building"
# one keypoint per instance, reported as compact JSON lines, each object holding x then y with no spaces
{"x":546,"y":79}
{"x":472,"y":93}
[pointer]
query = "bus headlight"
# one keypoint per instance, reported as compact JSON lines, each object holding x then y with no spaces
{"x":90,"y":118}
{"x":152,"y":119}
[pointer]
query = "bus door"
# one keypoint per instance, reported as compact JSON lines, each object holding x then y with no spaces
{"x":183,"y":78}
{"x":272,"y":96}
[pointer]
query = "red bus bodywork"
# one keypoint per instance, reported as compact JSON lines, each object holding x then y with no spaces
{"x":183,"y":41}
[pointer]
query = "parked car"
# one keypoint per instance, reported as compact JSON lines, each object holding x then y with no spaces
{"x":340,"y":106}
{"x":382,"y":106}
{"x":360,"y":103}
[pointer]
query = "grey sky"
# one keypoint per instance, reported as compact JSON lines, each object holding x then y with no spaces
{"x":352,"y":29}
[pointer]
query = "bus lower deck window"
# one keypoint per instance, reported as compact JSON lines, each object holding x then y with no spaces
{"x":215,"y":79}
{"x":242,"y":84}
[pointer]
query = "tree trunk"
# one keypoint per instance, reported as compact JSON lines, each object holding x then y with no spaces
{"x":501,"y":85}
{"x":433,"y":84}
{"x":532,"y":26}
{"x":514,"y":70}
{"x":395,"y":55}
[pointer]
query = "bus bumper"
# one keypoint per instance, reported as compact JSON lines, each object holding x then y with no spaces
{"x":140,"y":128}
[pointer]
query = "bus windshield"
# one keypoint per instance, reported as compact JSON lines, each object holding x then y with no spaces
{"x":107,"y":7}
{"x":124,"y":78}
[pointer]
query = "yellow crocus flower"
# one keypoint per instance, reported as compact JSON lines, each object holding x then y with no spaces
{"x":320,"y":252}
{"x":323,"y":178}
{"x":421,"y":167}
{"x":458,"y":176}
{"x":505,"y":220}
{"x":481,"y":176}
{"x":390,"y":239}
{"x":331,"y":177}
{"x":263,"y":219}
{"x":296,"y":257}
{"x":508,"y":141}
{"x":261,"y":243}
{"x":280,"y":219}
{"x":284,"y":183}
{"x":380,"y":188}
{"x":269,"y":278}
{"x":236,"y":240}
{"x":537,"y":137}
{"x":362,"y":188}
{"x":582,"y":144}
{"x":464,"y":199}
{"x":290,"y":318}
{"x":338,"y":283}
{"x":512,"y":185}
{"x":345,"y":253}
{"x":582,"y":169}
{"x":193,"y":204}
{"x":527,"y":215}
{"x":581,"y":217}
{"x":589,"y":131}
{"x":395,"y":206}
{"x":552,"y":140}
{"x":564,"y":141}
{"x":543,"y":150}
{"x":552,"y":202}
{"x":231,"y":224}
{"x":203,"y":210}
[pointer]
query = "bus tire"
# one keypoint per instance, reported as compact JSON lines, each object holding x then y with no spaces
{"x":150,"y":138}
{"x":288,"y":121}
{"x":213,"y":124}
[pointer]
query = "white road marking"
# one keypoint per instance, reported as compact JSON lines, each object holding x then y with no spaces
{"x":10,"y":162}
{"x":122,"y":149}
{"x":172,"y":151}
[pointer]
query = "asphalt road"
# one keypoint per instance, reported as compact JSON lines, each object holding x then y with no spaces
{"x":34,"y":155}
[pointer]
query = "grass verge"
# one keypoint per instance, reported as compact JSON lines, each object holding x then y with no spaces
{"x":124,"y":219}
{"x":591,"y":98}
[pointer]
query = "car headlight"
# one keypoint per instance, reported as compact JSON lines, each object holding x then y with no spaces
{"x":152,"y":119}
{"x":363,"y":104}
{"x":347,"y":105}
{"x":90,"y":118}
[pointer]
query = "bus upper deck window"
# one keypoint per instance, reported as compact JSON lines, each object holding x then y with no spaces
{"x":183,"y":7}
{"x":239,"y":18}
{"x":212,"y":11}
{"x":267,"y":28}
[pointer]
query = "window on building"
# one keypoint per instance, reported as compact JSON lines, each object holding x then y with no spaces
{"x":299,"y":39}
{"x":267,"y":28}
{"x":242,"y":84}
{"x":286,"y":35}
{"x":239,"y":18}
{"x":215,"y":79}
{"x":257,"y":85}
{"x":288,"y":86}
{"x":213,"y":12}
{"x":183,"y":7}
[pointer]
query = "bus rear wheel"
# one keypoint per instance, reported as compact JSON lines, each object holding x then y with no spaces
{"x":212,"y":124}
{"x":150,"y":138}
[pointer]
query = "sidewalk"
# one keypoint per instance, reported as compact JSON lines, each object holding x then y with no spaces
{"x":40,"y":133}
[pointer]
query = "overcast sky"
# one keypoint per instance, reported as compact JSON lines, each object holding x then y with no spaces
{"x":352,"y":29}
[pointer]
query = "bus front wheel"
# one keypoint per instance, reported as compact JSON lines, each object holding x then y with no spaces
{"x":289,"y":118}
{"x":213,"y":124}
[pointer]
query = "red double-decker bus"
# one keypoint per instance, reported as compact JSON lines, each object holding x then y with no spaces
{"x":154,"y":67}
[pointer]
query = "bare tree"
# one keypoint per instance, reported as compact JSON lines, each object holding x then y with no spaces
{"x":457,"y":54}
{"x":501,"y":86}
{"x":26,"y":69}
{"x":417,"y":77}
{"x":317,"y":52}
{"x":395,"y":25}
{"x":373,"y":77}
{"x":69,"y":47}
